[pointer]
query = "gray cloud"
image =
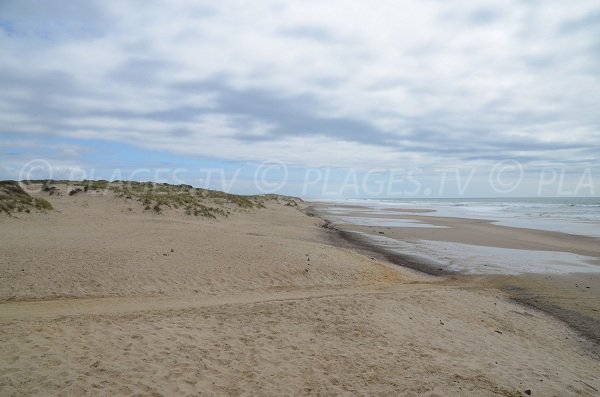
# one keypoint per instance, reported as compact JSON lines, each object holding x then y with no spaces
{"x":56,"y":20}
{"x":589,"y":21}
{"x":289,"y":116}
{"x":484,"y":16}
{"x":399,"y":85}
{"x":140,"y":71}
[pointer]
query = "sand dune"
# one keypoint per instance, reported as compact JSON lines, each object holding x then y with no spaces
{"x":98,"y":299}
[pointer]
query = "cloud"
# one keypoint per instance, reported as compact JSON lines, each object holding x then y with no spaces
{"x":588,"y":21}
{"x":59,"y":20}
{"x":484,"y":16}
{"x":344,"y":84}
{"x":308,"y":32}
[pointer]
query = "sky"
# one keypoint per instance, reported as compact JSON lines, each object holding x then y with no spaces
{"x":313,"y":98}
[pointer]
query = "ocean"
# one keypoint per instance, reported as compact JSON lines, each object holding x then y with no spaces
{"x":572,"y":216}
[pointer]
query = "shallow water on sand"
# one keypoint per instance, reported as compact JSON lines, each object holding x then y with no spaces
{"x":579,"y":217}
{"x":477,"y":259}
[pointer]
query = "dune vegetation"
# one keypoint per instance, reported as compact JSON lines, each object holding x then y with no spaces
{"x":153,"y":197}
{"x":13,"y":198}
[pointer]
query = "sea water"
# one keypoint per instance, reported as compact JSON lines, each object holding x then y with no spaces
{"x":578,"y":216}
{"x":572,"y":215}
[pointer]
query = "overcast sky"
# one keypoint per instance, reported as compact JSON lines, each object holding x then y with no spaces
{"x":389,"y":84}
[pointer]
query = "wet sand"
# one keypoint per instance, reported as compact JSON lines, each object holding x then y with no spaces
{"x":475,"y":231}
{"x":573,"y":298}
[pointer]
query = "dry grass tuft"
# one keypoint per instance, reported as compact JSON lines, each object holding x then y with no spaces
{"x":160,"y":197}
{"x":14,"y":199}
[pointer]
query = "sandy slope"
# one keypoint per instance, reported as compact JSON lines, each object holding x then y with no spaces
{"x":95,"y":302}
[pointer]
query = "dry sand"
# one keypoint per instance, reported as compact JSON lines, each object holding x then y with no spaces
{"x":98,"y":299}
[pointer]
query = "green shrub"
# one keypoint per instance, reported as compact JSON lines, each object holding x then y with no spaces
{"x":41,"y":204}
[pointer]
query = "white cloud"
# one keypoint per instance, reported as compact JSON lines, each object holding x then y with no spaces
{"x":430,"y":82}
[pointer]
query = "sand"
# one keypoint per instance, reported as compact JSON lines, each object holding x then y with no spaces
{"x":572,"y":297}
{"x":98,"y":299}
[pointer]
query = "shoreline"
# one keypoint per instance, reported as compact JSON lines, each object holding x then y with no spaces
{"x":518,"y":288}
{"x":349,"y":239}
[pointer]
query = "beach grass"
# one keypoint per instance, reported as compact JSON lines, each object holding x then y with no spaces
{"x":13,"y":198}
{"x":160,"y":197}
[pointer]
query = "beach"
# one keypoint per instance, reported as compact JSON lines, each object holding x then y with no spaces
{"x":556,"y":272}
{"x":102,"y":297}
